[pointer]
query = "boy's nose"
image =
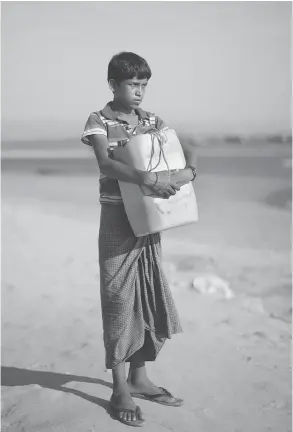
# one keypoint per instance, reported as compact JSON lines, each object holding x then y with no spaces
{"x":138,"y":91}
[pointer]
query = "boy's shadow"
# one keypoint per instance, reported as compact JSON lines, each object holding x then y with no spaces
{"x":11,"y":376}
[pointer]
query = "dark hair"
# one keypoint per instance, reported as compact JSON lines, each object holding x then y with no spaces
{"x":127,"y":65}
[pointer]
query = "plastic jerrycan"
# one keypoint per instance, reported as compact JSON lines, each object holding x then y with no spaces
{"x":158,"y":151}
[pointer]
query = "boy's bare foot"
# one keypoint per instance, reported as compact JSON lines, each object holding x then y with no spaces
{"x":150,"y":391}
{"x":122,"y":402}
{"x":140,"y":386}
{"x":144,"y":386}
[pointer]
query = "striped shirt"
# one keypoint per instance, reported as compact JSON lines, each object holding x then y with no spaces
{"x":118,"y":130}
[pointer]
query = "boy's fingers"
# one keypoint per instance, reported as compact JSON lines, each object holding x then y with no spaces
{"x":175,"y":186}
{"x":166,"y":194}
{"x":171,"y":190}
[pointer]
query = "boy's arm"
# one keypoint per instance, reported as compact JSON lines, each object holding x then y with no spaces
{"x":116,"y":169}
{"x":189,"y":153}
{"x":95,"y":135}
{"x":123,"y":172}
{"x":160,"y":124}
{"x":185,"y":175}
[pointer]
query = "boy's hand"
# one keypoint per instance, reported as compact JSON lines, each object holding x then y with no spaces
{"x":162,"y":187}
{"x":182,"y":176}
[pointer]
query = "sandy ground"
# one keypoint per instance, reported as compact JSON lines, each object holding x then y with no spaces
{"x":231,"y":364}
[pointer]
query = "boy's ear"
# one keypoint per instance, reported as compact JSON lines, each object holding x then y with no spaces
{"x":112,"y":85}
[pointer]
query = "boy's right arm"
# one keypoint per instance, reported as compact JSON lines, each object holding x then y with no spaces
{"x":123,"y":172}
{"x":112,"y":168}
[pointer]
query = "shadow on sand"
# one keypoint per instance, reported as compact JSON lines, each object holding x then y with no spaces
{"x":11,"y":376}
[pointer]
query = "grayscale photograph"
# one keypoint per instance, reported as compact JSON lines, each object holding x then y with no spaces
{"x":146,"y":208}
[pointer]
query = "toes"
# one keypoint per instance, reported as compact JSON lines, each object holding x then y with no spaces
{"x":129,"y":417}
{"x":140,"y":414}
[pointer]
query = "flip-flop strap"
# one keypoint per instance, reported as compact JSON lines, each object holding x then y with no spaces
{"x":165,"y":393}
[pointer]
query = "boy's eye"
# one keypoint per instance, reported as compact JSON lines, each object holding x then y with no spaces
{"x":137,"y":85}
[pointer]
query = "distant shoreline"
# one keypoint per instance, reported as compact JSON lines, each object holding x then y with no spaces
{"x":200,"y":140}
{"x":221,"y":163}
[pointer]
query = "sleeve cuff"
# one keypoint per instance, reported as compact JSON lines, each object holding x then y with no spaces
{"x":89,"y":132}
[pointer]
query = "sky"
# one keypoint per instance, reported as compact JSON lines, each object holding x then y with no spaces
{"x":218,"y":67}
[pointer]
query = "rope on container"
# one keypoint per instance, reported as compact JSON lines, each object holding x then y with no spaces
{"x":162,"y":139}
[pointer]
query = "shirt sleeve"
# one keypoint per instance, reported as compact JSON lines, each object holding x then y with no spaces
{"x":160,"y":124}
{"x":94,"y":126}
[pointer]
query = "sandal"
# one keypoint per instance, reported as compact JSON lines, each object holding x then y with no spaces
{"x":116,"y":411}
{"x":164,"y":398}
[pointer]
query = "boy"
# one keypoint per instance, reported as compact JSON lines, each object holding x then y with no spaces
{"x":138,"y":311}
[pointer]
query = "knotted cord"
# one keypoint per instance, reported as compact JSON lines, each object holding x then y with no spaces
{"x":162,"y":139}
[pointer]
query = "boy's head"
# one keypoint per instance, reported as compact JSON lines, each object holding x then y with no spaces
{"x":128,"y":75}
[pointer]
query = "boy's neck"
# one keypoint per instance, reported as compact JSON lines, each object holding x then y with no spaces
{"x":118,"y":106}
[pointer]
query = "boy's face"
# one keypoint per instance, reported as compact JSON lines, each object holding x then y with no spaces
{"x":130,"y":92}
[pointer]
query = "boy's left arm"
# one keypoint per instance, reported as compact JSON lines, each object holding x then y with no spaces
{"x":160,"y":124}
{"x":185,"y":175}
{"x":189,"y":152}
